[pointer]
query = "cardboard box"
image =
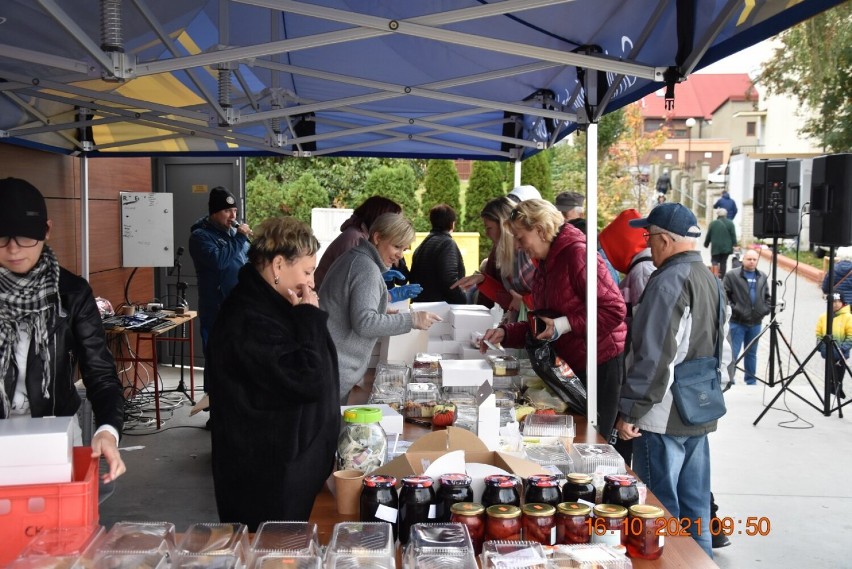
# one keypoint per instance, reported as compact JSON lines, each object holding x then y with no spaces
{"x":430,"y":447}
{"x":38,"y":474}
{"x":392,"y":421}
{"x":403,"y":347}
{"x":462,"y":373}
{"x":25,"y":441}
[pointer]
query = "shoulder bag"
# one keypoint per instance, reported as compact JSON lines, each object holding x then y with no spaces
{"x":697,"y":387}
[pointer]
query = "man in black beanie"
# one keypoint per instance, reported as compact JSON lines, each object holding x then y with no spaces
{"x":218,"y":246}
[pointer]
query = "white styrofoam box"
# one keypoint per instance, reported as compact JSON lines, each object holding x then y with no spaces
{"x":403,"y":347}
{"x":488,"y":423}
{"x":461,"y":373}
{"x":462,"y":310}
{"x":471,"y":320}
{"x":442,"y":309}
{"x":25,"y":441}
{"x":440,"y":329}
{"x":38,"y":474}
{"x":467,"y":353}
{"x":391,"y":421}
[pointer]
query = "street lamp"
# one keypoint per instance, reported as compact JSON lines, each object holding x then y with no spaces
{"x":690,"y":122}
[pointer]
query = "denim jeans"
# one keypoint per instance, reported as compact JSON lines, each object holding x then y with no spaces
{"x":742,"y":335}
{"x":677,"y":470}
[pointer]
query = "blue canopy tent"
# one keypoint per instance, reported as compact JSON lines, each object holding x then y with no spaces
{"x":468,"y":79}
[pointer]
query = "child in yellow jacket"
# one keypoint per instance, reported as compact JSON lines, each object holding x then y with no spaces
{"x":841,"y":330}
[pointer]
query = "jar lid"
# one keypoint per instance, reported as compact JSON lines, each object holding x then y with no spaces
{"x":543,"y":481}
{"x":501,"y":480}
{"x":646,"y":511}
{"x":417,"y":481}
{"x":362,"y":415}
{"x":574,"y":509}
{"x":379,"y":481}
{"x":455,"y":479}
{"x":610,"y":511}
{"x":539,"y":510}
{"x":579,"y":478}
{"x":620,"y":479}
{"x":467,"y":508}
{"x":503,"y":511}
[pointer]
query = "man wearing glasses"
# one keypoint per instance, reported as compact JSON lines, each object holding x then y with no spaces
{"x":49,"y":325}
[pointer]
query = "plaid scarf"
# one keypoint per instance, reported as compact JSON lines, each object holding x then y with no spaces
{"x":27,"y":303}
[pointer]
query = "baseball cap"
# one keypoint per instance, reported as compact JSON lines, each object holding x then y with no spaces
{"x":24,"y":213}
{"x":670,"y":216}
{"x":569,"y":200}
{"x":220,"y":198}
{"x":523,"y":193}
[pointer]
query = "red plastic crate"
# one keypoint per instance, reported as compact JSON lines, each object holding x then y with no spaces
{"x":28,"y":508}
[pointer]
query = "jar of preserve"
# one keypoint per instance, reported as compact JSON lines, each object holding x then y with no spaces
{"x":645,"y":537}
{"x":503,"y":522}
{"x":379,"y":502}
{"x":362,"y":444}
{"x":543,"y":489}
{"x":608,"y":524}
{"x":620,"y":489}
{"x":416,"y":504}
{"x":572,"y":523}
{"x":501,"y":489}
{"x":539,"y":523}
{"x":472,"y":515}
{"x":578,"y":488}
{"x":454,"y":488}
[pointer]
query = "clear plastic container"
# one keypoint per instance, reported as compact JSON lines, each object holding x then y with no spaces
{"x":361,"y":544}
{"x":70,"y":542}
{"x":504,"y":365}
{"x":420,"y":399}
{"x":390,"y":374}
{"x":215,"y":539}
{"x":536,"y":425}
{"x":550,"y":455}
{"x":426,"y":366}
{"x":589,"y":557}
{"x":111,"y":560}
{"x":591,"y":458}
{"x":362,"y":444}
{"x":146,"y":538}
{"x":288,"y":562}
{"x":506,"y":554}
{"x":439,"y":546}
{"x":285,"y":538}
{"x":207,"y":562}
{"x":44,"y":562}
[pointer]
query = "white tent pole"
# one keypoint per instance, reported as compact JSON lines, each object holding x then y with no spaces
{"x":84,"y":216}
{"x":592,"y":273}
{"x":517,"y":174}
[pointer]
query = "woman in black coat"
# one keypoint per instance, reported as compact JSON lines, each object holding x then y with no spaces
{"x":272,"y":370}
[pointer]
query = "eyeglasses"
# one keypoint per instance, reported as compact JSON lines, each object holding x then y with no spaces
{"x":648,"y":236}
{"x":24,"y":242}
{"x":515,"y":214}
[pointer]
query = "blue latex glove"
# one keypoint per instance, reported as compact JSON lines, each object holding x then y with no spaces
{"x":392,"y":274}
{"x":404,"y":292}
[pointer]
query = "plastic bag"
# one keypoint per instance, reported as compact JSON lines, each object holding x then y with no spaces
{"x":549,"y":368}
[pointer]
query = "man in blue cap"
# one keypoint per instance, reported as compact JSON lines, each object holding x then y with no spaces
{"x":676,"y":320}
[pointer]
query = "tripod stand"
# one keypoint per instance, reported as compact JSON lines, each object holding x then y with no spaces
{"x":181,"y":296}
{"x":829,"y":347}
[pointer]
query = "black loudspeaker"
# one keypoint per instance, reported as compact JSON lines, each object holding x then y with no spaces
{"x":777,"y":198}
{"x":831,"y":200}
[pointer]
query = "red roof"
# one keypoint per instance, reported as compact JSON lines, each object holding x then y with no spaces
{"x":700,"y":96}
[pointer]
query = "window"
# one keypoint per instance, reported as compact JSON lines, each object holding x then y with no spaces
{"x":751,"y":128}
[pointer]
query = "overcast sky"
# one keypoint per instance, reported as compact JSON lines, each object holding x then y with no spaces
{"x":748,"y":60}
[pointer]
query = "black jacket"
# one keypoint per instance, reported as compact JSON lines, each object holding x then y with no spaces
{"x":437,"y":263}
{"x":275,"y":414}
{"x":736,"y":289}
{"x":77,"y":339}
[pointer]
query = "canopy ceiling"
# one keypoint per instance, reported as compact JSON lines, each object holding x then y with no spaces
{"x":401,"y":78}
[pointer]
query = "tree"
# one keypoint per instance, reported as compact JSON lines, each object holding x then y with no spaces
{"x":535,"y":171}
{"x":441,"y":186}
{"x":301,"y":196}
{"x":814,"y":65}
{"x":396,"y":183}
{"x":486,"y":183}
{"x":264,"y":198}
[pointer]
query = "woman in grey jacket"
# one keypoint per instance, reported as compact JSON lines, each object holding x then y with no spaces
{"x":355,"y":296}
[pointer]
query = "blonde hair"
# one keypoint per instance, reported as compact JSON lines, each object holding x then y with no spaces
{"x":394,"y":227}
{"x":538,"y":214}
{"x":285,"y":236}
{"x":498,"y":210}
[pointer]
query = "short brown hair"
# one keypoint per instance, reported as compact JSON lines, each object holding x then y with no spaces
{"x":285,"y":236}
{"x":442,"y":217}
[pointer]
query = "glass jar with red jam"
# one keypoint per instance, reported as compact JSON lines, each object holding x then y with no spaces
{"x":607,"y":525}
{"x":379,"y":502}
{"x":644,"y":535}
{"x":503,"y":523}
{"x":579,"y":488}
{"x":501,"y":489}
{"x":472,"y":515}
{"x":454,"y":488}
{"x":572,"y":523}
{"x":416,"y":503}
{"x":539,"y":523}
{"x":620,"y":489}
{"x":543,"y":489}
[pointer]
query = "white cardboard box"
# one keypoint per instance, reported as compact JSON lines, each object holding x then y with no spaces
{"x":463,"y":373}
{"x":403,"y":347}
{"x":38,"y":474}
{"x":460,"y":311}
{"x":25,"y":441}
{"x":391,"y":420}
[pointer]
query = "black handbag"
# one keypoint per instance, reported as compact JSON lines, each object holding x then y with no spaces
{"x":697,"y":386}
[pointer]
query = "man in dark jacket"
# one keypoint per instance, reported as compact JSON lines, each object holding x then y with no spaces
{"x":437,"y":262}
{"x":218,"y":246}
{"x":727,"y":202}
{"x":50,"y":325}
{"x":721,"y":238}
{"x":749,"y":299}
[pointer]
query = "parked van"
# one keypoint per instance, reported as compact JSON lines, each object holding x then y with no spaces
{"x":719,"y":175}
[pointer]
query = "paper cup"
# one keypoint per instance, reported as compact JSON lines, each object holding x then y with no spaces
{"x":348,"y":491}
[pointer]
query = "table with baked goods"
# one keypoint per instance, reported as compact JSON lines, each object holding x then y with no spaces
{"x":680,"y":550}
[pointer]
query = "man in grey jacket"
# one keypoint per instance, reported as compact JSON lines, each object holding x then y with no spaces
{"x":676,"y":320}
{"x":748,"y":296}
